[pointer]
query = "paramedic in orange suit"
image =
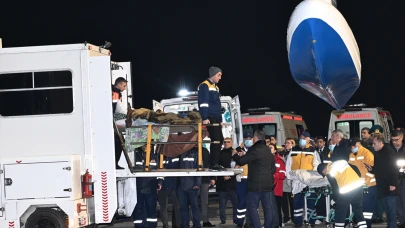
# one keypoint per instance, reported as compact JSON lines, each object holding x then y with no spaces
{"x":119,"y":86}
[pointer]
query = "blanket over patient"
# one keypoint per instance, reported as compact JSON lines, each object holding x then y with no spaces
{"x":306,"y":178}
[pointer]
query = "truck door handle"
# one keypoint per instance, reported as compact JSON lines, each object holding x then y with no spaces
{"x":8,"y":181}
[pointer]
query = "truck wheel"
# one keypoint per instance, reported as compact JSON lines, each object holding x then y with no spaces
{"x":47,"y":218}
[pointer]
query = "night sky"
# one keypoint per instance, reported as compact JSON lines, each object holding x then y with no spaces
{"x":171,"y":45}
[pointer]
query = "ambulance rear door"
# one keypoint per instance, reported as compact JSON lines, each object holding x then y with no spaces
{"x":351,"y":121}
{"x":387,"y":123}
{"x":293,"y":126}
{"x":236,"y":122}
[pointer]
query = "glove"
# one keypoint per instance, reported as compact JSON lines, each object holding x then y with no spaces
{"x":239,"y":178}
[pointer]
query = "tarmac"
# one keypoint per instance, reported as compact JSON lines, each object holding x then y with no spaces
{"x":213,"y":210}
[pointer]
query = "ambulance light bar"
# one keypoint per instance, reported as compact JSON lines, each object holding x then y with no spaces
{"x":186,"y":93}
{"x":258,"y":111}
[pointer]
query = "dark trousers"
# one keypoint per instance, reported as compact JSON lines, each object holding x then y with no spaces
{"x":189,"y":198}
{"x":223,"y":199}
{"x":254,"y":199}
{"x":389,"y":205}
{"x":163,"y":197}
{"x":279,"y":200}
{"x":241,"y":192}
{"x":287,"y":205}
{"x":215,"y":135}
{"x":369,"y":202}
{"x":355,"y":198}
{"x":321,"y":206}
{"x":401,"y":201}
{"x":378,"y":210}
{"x":299,"y":207}
{"x":118,"y":148}
{"x":148,"y":203}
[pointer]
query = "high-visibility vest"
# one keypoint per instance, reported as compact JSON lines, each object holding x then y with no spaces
{"x":346,"y":178}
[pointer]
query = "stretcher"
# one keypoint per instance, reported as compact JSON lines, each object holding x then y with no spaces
{"x":317,"y":187}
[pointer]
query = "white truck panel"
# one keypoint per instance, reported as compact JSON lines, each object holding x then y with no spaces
{"x":42,"y":135}
{"x":104,"y":176}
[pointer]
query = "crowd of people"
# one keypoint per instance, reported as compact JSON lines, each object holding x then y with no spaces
{"x":366,"y":173}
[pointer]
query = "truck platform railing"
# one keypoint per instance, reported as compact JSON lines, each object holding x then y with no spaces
{"x":149,"y":142}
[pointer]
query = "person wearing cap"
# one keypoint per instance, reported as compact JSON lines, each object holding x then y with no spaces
{"x":363,"y":158}
{"x":210,"y":109}
{"x":386,"y":175}
{"x":119,"y":86}
{"x":304,"y":157}
{"x":241,"y":183}
{"x":346,"y":183}
{"x":378,"y":216}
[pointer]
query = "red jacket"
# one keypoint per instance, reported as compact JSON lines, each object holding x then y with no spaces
{"x":279,"y":176}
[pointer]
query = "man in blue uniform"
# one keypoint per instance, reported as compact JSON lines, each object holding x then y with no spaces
{"x":146,"y":188}
{"x":209,"y":104}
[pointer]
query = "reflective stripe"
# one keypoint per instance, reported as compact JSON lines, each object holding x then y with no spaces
{"x":138,"y":163}
{"x":369,"y":175}
{"x":360,"y":157}
{"x":188,"y":159}
{"x":327,"y":161}
{"x":352,"y":159}
{"x":301,"y":152}
{"x":298,"y":215}
{"x":282,"y":171}
{"x":299,"y":210}
{"x":153,"y":163}
{"x":151,"y":219}
{"x":339,"y":224}
{"x":372,"y":180}
{"x":241,"y":210}
{"x":204,"y":105}
{"x":277,"y":165}
{"x":240,"y":216}
{"x":244,"y":177}
{"x":175,"y":159}
{"x":138,"y":221}
{"x":212,"y":89}
{"x":161,"y":178}
{"x":351,"y":186}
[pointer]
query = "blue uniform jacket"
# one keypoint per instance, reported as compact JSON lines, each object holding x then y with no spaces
{"x":147,"y":185}
{"x":189,"y":160}
{"x":209,"y":102}
{"x":170,"y":183}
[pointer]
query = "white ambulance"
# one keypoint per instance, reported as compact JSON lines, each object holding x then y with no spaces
{"x":282,"y":125}
{"x":352,"y":118}
{"x":188,"y":101}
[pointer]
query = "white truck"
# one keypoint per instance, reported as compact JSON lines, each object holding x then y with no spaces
{"x":56,"y":124}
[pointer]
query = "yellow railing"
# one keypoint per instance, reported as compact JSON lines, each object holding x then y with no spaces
{"x":199,"y":141}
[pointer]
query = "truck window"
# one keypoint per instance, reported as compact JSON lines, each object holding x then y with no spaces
{"x":269,"y":129}
{"x":36,"y":93}
{"x":353,"y":128}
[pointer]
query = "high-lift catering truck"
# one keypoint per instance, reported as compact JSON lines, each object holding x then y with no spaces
{"x":57,"y":163}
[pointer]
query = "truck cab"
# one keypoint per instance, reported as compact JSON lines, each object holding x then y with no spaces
{"x":188,"y":101}
{"x":352,"y":118}
{"x":282,"y":125}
